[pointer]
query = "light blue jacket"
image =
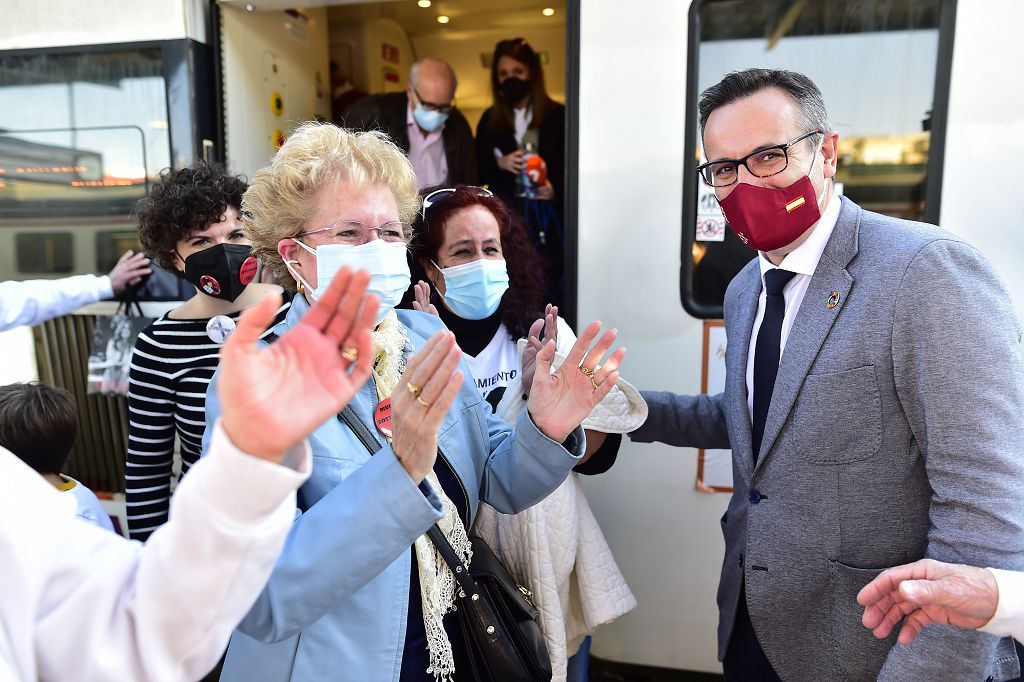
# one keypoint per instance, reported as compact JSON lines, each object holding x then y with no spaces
{"x":335,"y":605}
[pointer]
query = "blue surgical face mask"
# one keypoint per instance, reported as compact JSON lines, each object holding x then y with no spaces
{"x":473,"y":291}
{"x":428,"y":119}
{"x":385,"y":261}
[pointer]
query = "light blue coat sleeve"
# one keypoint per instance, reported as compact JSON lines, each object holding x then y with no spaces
{"x":525,"y":465}
{"x":364,"y":524}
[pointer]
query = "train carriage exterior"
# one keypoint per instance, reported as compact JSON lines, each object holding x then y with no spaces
{"x":926,"y":94}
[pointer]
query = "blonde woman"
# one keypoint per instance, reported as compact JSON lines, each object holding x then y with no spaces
{"x":360,"y":592}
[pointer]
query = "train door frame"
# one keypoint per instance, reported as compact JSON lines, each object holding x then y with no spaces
{"x":569,"y":309}
{"x":936,"y":153}
{"x":570,"y":197}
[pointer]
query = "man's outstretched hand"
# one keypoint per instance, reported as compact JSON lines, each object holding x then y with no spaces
{"x":130,"y":269}
{"x":275,"y":396}
{"x":926,"y":592}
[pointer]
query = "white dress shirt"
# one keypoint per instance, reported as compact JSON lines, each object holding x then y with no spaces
{"x":803,"y":260}
{"x":81,"y":603}
{"x":1008,"y":620}
{"x":38,"y":300}
{"x":426,"y":153}
{"x":522,"y":118}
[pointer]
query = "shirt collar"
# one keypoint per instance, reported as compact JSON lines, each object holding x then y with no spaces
{"x":803,"y":260}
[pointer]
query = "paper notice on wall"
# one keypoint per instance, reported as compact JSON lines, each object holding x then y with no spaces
{"x":710,"y":219}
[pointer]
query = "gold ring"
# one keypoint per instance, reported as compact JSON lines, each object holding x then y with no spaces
{"x":422,"y":402}
{"x":351,"y":354}
{"x":414,"y":389}
{"x":593,"y":383}
{"x":589,"y":372}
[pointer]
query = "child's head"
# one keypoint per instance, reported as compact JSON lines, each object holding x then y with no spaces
{"x":38,"y":424}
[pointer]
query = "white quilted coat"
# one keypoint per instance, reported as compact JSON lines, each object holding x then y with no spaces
{"x":557,"y":550}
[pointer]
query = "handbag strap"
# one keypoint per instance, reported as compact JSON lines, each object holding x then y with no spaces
{"x":458,"y":568}
{"x":359,"y":428}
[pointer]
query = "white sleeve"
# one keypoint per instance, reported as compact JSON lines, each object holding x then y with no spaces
{"x":1008,"y":620}
{"x":81,"y":603}
{"x":38,"y":300}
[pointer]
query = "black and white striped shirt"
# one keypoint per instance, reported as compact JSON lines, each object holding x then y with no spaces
{"x":171,"y":368}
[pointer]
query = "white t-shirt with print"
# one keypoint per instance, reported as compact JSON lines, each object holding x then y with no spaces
{"x":497,"y":364}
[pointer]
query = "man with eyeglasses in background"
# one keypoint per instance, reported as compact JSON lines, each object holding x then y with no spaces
{"x":873,"y":403}
{"x":425,"y":123}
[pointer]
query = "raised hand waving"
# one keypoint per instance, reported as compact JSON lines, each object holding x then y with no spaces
{"x":275,"y":396}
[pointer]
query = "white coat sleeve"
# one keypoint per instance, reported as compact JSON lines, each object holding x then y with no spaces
{"x":38,"y":300}
{"x":1008,"y":620}
{"x":82,"y":603}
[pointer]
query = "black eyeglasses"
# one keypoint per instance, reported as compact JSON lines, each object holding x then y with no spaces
{"x":439,"y":195}
{"x":430,"y":106}
{"x":761,"y":163}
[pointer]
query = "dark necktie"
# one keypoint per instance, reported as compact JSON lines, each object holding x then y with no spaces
{"x":767,"y":350}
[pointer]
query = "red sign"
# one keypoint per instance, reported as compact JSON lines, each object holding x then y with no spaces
{"x":389,"y":53}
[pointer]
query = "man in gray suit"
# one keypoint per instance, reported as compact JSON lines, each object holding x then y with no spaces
{"x":874,"y":404}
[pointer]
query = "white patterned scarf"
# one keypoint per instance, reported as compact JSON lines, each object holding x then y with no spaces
{"x":438,"y":586}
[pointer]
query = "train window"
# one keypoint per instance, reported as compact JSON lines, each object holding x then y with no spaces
{"x":80,"y":133}
{"x":876,"y":62}
{"x":45,"y":253}
{"x":110,"y":244}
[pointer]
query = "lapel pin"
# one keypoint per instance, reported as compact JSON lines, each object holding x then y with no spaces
{"x":833,"y":300}
{"x":219,"y":328}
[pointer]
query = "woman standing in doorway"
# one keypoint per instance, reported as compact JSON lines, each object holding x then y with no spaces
{"x":524,"y":122}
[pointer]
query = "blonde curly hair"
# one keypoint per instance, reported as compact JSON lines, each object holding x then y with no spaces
{"x":280,"y":201}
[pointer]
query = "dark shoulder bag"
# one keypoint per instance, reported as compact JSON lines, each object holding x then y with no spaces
{"x":495,"y":615}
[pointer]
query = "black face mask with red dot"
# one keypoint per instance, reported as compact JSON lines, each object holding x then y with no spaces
{"x":221,"y":271}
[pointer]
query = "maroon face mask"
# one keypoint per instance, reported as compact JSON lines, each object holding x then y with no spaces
{"x":766,"y":219}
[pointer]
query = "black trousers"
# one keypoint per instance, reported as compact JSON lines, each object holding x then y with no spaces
{"x":744,"y":659}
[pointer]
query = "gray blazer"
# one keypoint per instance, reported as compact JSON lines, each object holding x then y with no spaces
{"x":895,"y":432}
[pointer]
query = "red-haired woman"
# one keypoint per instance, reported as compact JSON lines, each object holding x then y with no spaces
{"x":484,"y":282}
{"x":524,"y":120}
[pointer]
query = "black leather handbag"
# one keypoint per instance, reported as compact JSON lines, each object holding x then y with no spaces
{"x":496,"y":617}
{"x":498,"y":622}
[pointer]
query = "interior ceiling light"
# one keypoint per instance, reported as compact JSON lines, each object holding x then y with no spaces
{"x":548,"y":11}
{"x":423,"y":3}
{"x":443,"y":18}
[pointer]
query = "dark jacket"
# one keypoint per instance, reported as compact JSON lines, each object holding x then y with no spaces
{"x":551,"y":148}
{"x":387,"y":113}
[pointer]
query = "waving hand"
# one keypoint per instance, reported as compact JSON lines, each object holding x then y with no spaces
{"x":275,"y":396}
{"x":560,"y":401}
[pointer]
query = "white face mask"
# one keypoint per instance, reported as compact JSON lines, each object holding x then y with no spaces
{"x":385,"y":261}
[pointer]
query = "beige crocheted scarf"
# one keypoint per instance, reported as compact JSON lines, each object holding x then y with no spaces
{"x":437,"y":583}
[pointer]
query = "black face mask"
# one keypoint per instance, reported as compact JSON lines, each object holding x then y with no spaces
{"x":513,"y":89}
{"x":221,"y":271}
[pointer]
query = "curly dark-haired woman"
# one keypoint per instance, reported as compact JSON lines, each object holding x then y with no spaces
{"x":189,"y":226}
{"x":485,"y":279}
